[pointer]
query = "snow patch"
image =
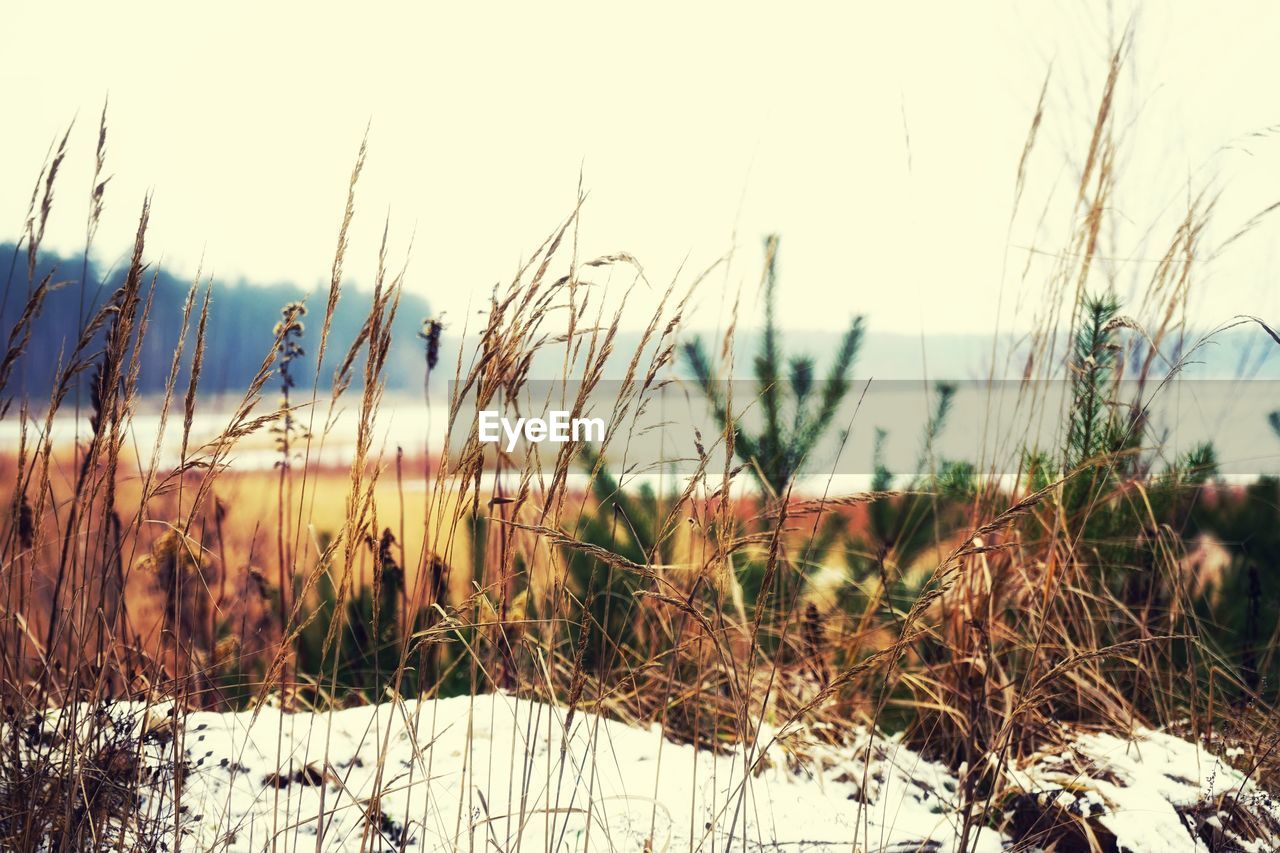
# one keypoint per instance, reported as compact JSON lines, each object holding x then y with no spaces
{"x":1153,"y":792}
{"x":499,"y":772}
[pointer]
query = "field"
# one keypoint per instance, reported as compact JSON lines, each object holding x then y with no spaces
{"x":449,"y":646}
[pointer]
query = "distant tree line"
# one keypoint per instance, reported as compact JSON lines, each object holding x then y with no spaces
{"x":239,"y":335}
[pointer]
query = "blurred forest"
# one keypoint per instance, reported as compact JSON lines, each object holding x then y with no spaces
{"x":241,"y":318}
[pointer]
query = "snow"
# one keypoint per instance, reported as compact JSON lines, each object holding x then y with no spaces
{"x":502,"y":773}
{"x":1135,"y":788}
{"x":489,"y":771}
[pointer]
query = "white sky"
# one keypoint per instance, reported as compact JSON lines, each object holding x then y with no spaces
{"x":693,"y":123}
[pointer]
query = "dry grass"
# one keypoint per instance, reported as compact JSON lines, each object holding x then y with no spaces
{"x":125,"y":578}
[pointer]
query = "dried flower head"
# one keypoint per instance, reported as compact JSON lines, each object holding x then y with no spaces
{"x":431,"y":329}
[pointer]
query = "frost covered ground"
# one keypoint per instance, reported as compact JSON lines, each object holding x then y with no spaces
{"x":500,"y":773}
